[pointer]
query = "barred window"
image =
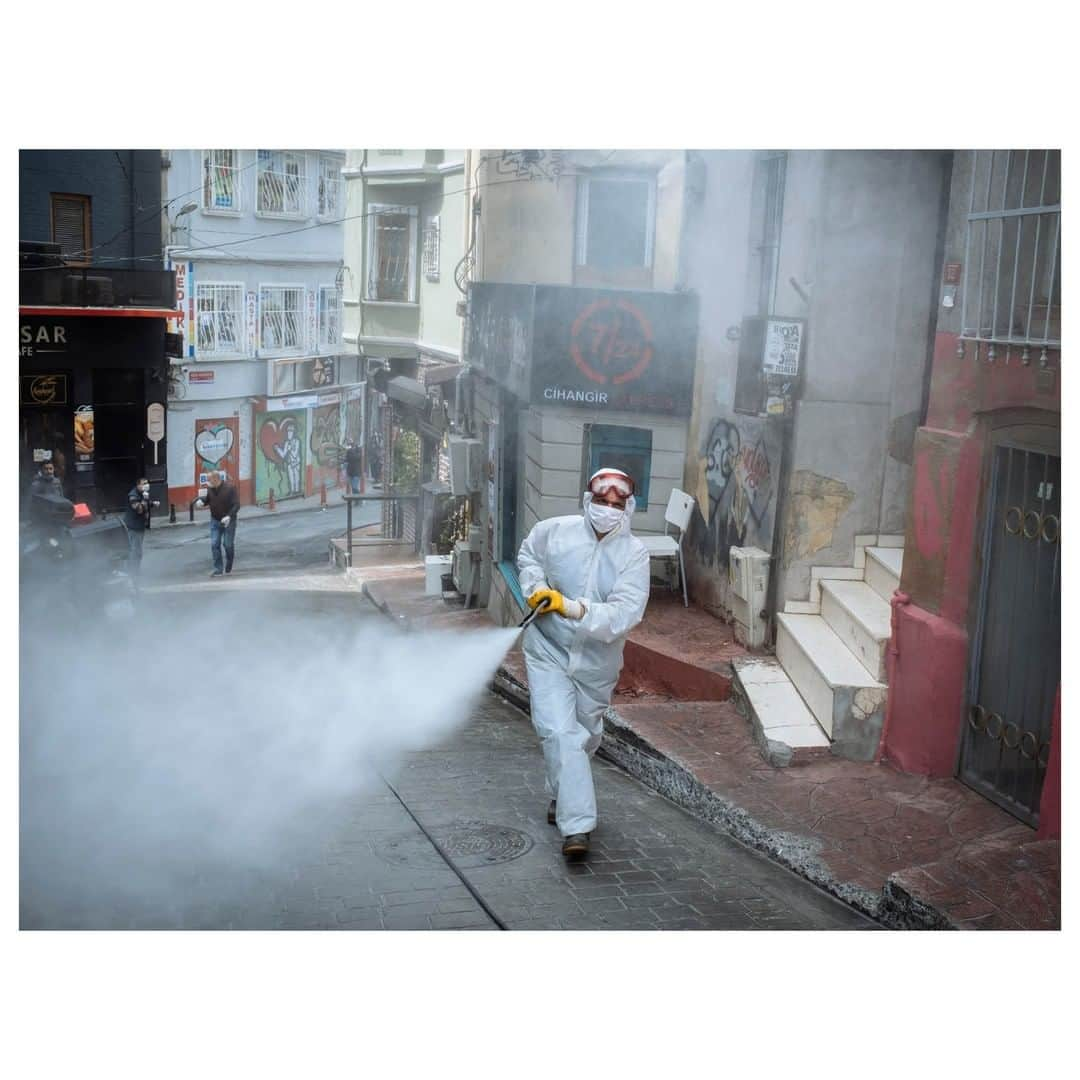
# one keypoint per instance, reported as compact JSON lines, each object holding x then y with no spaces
{"x":219,"y":319}
{"x":1012,"y":252}
{"x":281,"y":321}
{"x":221,"y":181}
{"x":329,"y":187}
{"x":282,"y":183}
{"x":391,"y":253}
{"x":431,"y":248}
{"x":329,"y":317}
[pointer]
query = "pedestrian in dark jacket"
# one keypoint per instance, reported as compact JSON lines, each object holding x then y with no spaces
{"x":224,"y":502}
{"x":136,"y":522}
{"x":354,"y":464}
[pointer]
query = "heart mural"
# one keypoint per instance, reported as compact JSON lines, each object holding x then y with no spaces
{"x":272,"y":436}
{"x":214,"y":444}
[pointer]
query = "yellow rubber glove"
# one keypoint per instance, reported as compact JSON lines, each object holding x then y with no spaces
{"x":556,"y":602}
{"x":559,"y":604}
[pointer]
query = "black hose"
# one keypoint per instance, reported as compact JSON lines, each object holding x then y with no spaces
{"x":446,"y":858}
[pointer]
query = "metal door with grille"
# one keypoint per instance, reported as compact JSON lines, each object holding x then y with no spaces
{"x":1017,"y":663}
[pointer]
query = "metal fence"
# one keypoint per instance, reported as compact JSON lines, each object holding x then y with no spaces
{"x":1011,"y":305}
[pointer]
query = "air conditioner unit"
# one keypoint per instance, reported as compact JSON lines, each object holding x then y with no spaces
{"x":464,"y":465}
{"x":464,"y":568}
{"x":748,"y":574}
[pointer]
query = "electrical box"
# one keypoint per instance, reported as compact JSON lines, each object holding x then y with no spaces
{"x":748,"y":574}
{"x":464,"y":465}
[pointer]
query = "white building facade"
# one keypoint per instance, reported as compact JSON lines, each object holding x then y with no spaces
{"x":263,"y":389}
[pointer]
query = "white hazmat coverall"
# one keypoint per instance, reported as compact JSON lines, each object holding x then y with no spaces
{"x":574,"y":664}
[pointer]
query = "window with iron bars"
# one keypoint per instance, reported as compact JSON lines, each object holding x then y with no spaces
{"x":391,"y":272}
{"x":329,"y":187}
{"x":281,"y":183}
{"x":329,"y":317}
{"x":281,"y":317}
{"x":221,"y":181}
{"x":431,"y":248}
{"x":219,"y":319}
{"x":1011,"y":299}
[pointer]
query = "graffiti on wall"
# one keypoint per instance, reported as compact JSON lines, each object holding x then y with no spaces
{"x":531,"y":164}
{"x":279,"y":455}
{"x":325,"y":435}
{"x":740,"y":461}
{"x":216,"y":445}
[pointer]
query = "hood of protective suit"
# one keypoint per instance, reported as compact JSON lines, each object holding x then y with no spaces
{"x":624,"y":525}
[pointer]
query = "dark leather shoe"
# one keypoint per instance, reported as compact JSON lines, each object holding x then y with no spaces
{"x":551,"y":813}
{"x":576,"y":846}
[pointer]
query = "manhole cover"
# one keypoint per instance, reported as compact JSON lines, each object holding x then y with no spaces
{"x":470,"y":844}
{"x":477,"y":843}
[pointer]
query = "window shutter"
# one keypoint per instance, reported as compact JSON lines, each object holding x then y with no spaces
{"x":69,"y":225}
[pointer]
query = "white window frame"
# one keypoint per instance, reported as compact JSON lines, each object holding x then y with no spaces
{"x":583,"y":211}
{"x":301,"y":319}
{"x":215,"y":290}
{"x":431,"y":248}
{"x":334,"y":294}
{"x":265,"y":167}
{"x":373,"y":210}
{"x":209,"y":159}
{"x":330,"y":172}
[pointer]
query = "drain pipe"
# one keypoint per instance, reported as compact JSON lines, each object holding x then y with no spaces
{"x":892,"y":654}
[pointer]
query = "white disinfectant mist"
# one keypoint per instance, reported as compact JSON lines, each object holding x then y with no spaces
{"x":224,"y":733}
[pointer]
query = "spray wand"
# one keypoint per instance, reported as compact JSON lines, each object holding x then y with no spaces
{"x":541,"y":607}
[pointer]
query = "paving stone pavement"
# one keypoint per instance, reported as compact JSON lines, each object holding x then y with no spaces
{"x":363,"y":864}
{"x":651,"y":865}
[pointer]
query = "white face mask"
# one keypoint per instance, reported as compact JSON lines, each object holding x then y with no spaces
{"x":604,"y":518}
{"x":144,"y":488}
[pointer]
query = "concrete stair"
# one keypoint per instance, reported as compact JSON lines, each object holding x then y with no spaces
{"x":826,"y":689}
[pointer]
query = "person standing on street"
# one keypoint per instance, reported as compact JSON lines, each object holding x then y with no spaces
{"x":354,"y":464}
{"x":594,"y":574}
{"x":46,"y":482}
{"x":224,"y":502}
{"x":136,"y":522}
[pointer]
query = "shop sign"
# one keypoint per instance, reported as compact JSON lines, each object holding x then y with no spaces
{"x":155,"y":425}
{"x":42,"y":389}
{"x":51,"y":338}
{"x":306,"y":401}
{"x":84,"y":438}
{"x":200,"y":377}
{"x":252,"y":310}
{"x":608,"y":351}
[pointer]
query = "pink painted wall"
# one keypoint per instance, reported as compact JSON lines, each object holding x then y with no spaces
{"x":1050,"y":807}
{"x":930,"y":665}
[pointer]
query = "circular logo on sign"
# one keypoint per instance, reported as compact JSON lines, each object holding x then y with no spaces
{"x":43,"y":389}
{"x":611,"y":341}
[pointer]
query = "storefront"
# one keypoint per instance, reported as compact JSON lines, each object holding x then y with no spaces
{"x":567,"y":379}
{"x":92,"y":384}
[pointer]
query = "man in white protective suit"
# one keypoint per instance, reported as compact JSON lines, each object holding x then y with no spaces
{"x":595,"y":576}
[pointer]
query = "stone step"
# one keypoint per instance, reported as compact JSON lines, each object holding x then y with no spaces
{"x":882,"y":570}
{"x":861,"y":619}
{"x":784,"y":728}
{"x":845,"y":699}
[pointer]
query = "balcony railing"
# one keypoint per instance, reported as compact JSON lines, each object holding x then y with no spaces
{"x":90,"y":286}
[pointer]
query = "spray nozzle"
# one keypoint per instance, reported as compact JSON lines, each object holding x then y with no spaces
{"x":541,"y":607}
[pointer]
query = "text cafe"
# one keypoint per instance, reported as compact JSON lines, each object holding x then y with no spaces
{"x":85,"y":384}
{"x":567,"y":379}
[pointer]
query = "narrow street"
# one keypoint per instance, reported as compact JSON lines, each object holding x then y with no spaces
{"x":350,"y":856}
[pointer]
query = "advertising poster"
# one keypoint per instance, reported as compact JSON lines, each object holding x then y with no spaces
{"x":84,"y":438}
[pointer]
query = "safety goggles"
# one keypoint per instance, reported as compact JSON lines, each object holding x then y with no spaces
{"x":607,"y":480}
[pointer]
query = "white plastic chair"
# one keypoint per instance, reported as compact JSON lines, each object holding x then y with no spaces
{"x":679,"y":508}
